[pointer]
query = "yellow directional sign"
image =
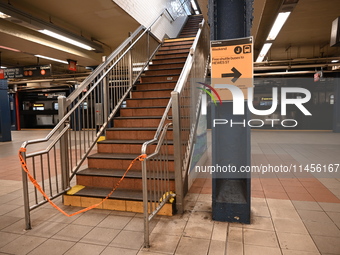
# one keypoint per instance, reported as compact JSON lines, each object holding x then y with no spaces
{"x":232,"y":64}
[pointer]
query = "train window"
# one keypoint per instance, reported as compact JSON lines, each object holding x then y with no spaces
{"x":38,"y":107}
{"x":55,"y":106}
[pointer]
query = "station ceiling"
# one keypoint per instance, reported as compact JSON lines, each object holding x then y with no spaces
{"x":303,"y":42}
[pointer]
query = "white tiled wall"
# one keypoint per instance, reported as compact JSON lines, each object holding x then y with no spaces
{"x":146,"y":11}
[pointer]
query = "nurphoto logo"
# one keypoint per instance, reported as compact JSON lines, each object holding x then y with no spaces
{"x":238,"y":104}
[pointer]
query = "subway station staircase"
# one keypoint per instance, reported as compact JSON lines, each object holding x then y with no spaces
{"x":137,"y":123}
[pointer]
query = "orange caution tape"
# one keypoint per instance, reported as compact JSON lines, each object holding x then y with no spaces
{"x":141,"y":157}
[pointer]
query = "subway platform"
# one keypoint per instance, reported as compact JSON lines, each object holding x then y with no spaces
{"x":290,"y":216}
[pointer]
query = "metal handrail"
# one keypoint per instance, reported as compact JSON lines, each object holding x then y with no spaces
{"x":106,"y":89}
{"x":87,"y":81}
{"x":161,"y":133}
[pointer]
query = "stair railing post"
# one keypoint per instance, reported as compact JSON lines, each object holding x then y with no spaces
{"x":148,"y":44}
{"x":178,"y":160}
{"x":26,"y":196}
{"x":145,"y":205}
{"x":130,"y":63}
{"x":105,"y":95}
{"x":65,"y":177}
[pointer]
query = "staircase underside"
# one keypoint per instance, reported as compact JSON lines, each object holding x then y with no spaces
{"x":137,"y":123}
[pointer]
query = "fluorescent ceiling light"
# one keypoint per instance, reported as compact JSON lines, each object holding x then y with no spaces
{"x":335,"y":61}
{"x":7,"y":48}
{"x":4,"y":16}
{"x":263,"y":52}
{"x":53,"y":59}
{"x":278,"y":24}
{"x":65,"y":39}
{"x":3,"y":67}
{"x":194,"y":6}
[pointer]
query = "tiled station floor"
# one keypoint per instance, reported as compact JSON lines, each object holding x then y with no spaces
{"x":291,"y":215}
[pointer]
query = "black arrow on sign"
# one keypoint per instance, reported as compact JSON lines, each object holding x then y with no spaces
{"x":235,"y":73}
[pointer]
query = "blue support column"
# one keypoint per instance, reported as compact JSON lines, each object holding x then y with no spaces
{"x":336,"y":111}
{"x":230,"y":19}
{"x":5,"y":116}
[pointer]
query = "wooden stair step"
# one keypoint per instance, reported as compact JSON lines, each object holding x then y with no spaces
{"x":138,"y":121}
{"x":134,"y":133}
{"x":173,"y":51}
{"x":121,"y":200}
{"x":128,"y":146}
{"x":160,"y":77}
{"x":152,"y":93}
{"x":156,"y":85}
{"x":108,"y":178}
{"x":147,"y":102}
{"x":167,"y":65}
{"x":119,"y":161}
{"x":175,"y":70}
{"x":143,"y":111}
{"x":170,"y":55}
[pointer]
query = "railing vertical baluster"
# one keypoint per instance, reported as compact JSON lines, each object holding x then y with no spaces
{"x":26,"y":196}
{"x":63,"y":146}
{"x":176,"y":120}
{"x":145,"y":204}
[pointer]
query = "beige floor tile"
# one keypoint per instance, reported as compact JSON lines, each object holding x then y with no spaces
{"x":290,"y":252}
{"x":100,"y":236}
{"x":256,"y":201}
{"x":217,"y":247}
{"x":128,"y":239}
{"x":18,"y":227}
{"x":162,"y":243}
{"x":234,"y":248}
{"x":322,"y":228}
{"x":220,"y":231}
{"x":260,"y":211}
{"x":200,"y":217}
{"x":142,"y":252}
{"x":235,"y":235}
{"x":297,"y":242}
{"x":114,"y":221}
{"x":330,"y":207}
{"x":262,"y":223}
{"x":90,"y":219}
{"x":137,"y":224}
{"x":315,"y":216}
{"x":279,"y":204}
{"x":72,"y":233}
{"x":198,"y":230}
{"x":335,"y":217}
{"x":261,"y":250}
{"x":307,"y":205}
{"x":22,"y":245}
{"x":46,"y":229}
{"x":6,"y":238}
{"x":202,"y":206}
{"x":85,"y":249}
{"x":170,"y":227}
{"x":54,"y":247}
{"x":205,"y":198}
{"x":191,"y":197}
{"x":260,"y":238}
{"x":284,"y":213}
{"x":119,"y":251}
{"x":190,"y":246}
{"x":290,"y":226}
{"x":8,"y":208}
{"x":327,"y":244}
